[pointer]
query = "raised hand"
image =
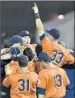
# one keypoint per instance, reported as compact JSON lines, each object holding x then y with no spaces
{"x":35,"y":8}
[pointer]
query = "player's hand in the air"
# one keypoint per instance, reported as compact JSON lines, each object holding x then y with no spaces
{"x":35,"y":8}
{"x":39,"y":24}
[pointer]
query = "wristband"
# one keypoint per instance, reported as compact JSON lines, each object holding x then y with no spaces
{"x":37,"y":15}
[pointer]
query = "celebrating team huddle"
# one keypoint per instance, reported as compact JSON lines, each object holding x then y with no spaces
{"x":32,"y":75}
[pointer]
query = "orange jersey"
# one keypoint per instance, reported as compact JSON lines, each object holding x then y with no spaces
{"x":54,"y":81}
{"x":23,"y":85}
{"x":58,"y":53}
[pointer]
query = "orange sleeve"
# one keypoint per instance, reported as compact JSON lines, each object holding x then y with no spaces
{"x":47,"y":45}
{"x":7,"y":82}
{"x":69,"y":59}
{"x":41,"y":81}
{"x":67,"y":81}
{"x":34,"y":77}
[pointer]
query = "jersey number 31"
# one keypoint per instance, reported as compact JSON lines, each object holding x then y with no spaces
{"x":24,"y":85}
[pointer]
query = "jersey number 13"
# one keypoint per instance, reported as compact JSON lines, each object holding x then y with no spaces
{"x":58,"y":80}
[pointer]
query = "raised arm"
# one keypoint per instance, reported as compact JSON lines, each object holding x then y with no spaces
{"x":38,"y":21}
{"x":45,"y":42}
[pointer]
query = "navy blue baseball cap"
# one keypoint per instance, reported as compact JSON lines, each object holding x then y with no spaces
{"x":54,"y":32}
{"x":15,"y":39}
{"x":24,"y":33}
{"x":23,"y":60}
{"x":43,"y":56}
{"x":15,"y":52}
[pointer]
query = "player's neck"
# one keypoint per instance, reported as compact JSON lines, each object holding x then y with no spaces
{"x":51,"y":66}
{"x":23,"y":70}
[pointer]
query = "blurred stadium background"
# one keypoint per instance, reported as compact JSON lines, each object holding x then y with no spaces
{"x":18,"y":15}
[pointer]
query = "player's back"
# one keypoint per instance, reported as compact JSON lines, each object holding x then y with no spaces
{"x":23,"y":85}
{"x":59,"y":54}
{"x":55,"y":82}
